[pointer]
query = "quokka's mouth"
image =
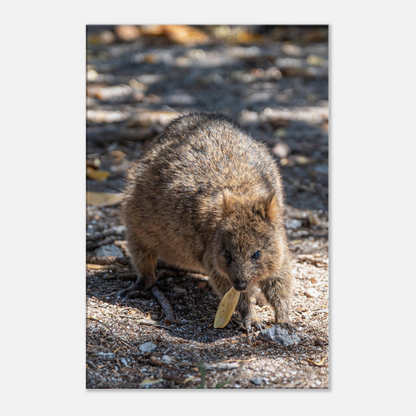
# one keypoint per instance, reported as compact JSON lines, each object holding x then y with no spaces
{"x":240,"y":286}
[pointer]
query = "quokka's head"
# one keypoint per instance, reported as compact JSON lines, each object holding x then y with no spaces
{"x":247,"y":243}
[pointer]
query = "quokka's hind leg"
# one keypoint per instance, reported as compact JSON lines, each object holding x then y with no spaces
{"x":144,"y":261}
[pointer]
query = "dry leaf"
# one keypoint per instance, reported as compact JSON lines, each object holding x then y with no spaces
{"x":98,"y":267}
{"x":320,"y":364}
{"x":127,"y":33}
{"x":102,"y":199}
{"x":97,"y":175}
{"x":185,"y":35}
{"x":226,"y":308}
{"x":155,"y":30}
{"x":149,"y":381}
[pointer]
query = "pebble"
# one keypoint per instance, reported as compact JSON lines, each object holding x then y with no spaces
{"x":279,"y":335}
{"x":311,"y":293}
{"x":166,"y":359}
{"x":293,"y":224}
{"x":321,"y":169}
{"x":108,"y":355}
{"x":258,"y":381}
{"x":281,"y":150}
{"x":147,"y":347}
{"x":222,"y":366}
{"x":180,"y":290}
{"x":109,"y":250}
{"x":123,"y":360}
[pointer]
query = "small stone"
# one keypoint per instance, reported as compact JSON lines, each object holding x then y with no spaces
{"x":147,"y":347}
{"x":279,"y":335}
{"x":293,"y":224}
{"x":180,"y":290}
{"x":248,"y":117}
{"x":281,"y":150}
{"x":311,"y":293}
{"x":319,"y":342}
{"x":109,"y":250}
{"x":107,"y":355}
{"x":321,"y":169}
{"x":166,"y":359}
{"x":258,"y":381}
{"x":123,"y":361}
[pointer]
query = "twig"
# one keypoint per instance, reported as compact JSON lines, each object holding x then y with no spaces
{"x":111,"y":332}
{"x":150,"y":322}
{"x":163,"y":302}
{"x":94,"y":244}
{"x":233,"y":359}
{"x":320,"y":364}
{"x":107,"y":260}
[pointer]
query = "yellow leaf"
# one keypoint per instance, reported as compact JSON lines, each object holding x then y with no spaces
{"x":148,"y":381}
{"x":102,"y":199}
{"x":226,"y":308}
{"x":189,"y":379}
{"x":97,"y":175}
{"x":185,"y":35}
{"x":98,"y":267}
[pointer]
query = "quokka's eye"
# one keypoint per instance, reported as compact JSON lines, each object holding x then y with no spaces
{"x":227,"y":256}
{"x":256,"y":255}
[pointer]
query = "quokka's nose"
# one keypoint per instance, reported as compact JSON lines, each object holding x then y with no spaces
{"x":240,"y":286}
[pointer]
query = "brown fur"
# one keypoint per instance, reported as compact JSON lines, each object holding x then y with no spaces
{"x":202,"y":188}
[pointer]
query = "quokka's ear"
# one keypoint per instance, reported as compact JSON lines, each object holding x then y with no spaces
{"x":270,"y":206}
{"x":229,"y":201}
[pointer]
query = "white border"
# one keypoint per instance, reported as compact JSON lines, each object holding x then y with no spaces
{"x":372,"y":211}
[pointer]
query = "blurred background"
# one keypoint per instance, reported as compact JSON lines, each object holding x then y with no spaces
{"x":273,"y":80}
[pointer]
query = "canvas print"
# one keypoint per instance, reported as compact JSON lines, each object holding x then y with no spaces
{"x":207,"y":207}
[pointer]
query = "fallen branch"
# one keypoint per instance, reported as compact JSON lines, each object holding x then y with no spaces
{"x":91,"y":259}
{"x":111,"y":332}
{"x":163,"y":302}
